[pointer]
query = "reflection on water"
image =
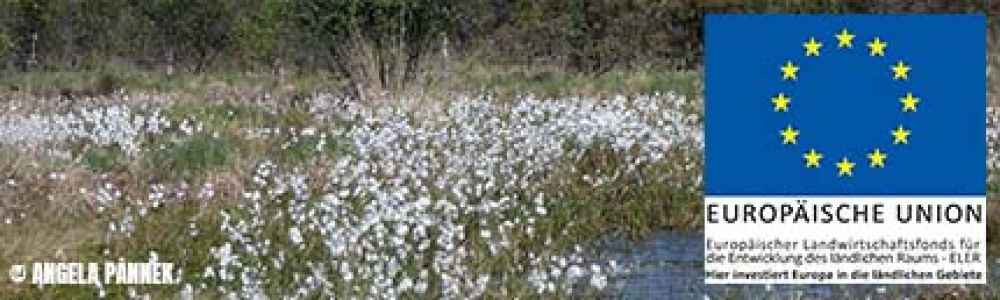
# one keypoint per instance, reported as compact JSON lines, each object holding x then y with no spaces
{"x":669,"y":266}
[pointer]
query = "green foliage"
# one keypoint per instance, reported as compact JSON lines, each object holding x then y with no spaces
{"x":259,"y":35}
{"x":101,"y":159}
{"x":377,"y":45}
{"x":381,"y":45}
{"x":6,"y":44}
{"x":191,"y":157}
{"x":190,"y":30}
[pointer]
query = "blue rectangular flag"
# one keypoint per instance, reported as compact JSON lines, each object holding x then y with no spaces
{"x":859,"y":123}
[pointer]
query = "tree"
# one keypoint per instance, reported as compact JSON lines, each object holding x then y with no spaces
{"x":188,"y":30}
{"x":376,"y":44}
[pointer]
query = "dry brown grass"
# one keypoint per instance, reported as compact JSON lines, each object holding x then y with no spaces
{"x":28,"y":188}
{"x":33,"y":238}
{"x":44,"y":239}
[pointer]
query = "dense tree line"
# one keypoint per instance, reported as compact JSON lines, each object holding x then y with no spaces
{"x":381,"y":44}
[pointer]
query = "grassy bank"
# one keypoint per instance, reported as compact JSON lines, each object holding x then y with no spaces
{"x":449,"y":79}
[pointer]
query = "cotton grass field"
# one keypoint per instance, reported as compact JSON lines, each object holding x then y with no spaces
{"x":474,"y":197}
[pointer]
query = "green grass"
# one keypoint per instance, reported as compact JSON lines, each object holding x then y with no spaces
{"x":308,"y":149}
{"x":550,"y":82}
{"x":469,"y":78}
{"x":111,"y":78}
{"x":192,"y":156}
{"x":101,"y":159}
{"x":224,"y":116}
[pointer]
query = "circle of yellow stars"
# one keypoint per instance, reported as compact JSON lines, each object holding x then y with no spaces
{"x":876,"y":157}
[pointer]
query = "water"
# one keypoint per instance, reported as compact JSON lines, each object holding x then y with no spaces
{"x":669,"y":266}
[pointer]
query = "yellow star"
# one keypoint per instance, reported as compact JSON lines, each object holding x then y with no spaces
{"x":877,"y":47}
{"x":877,"y":158}
{"x":812,"y":47}
{"x":789,"y":70}
{"x":845,"y":39}
{"x":900,"y":70}
{"x":900,"y":135}
{"x":781,"y":102}
{"x":845,"y":168}
{"x":812,"y":158}
{"x":909,"y":102}
{"x":789,"y":135}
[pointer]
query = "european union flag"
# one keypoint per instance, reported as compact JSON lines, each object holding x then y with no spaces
{"x":845,"y":105}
